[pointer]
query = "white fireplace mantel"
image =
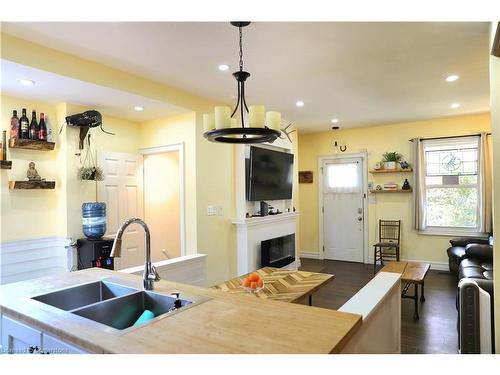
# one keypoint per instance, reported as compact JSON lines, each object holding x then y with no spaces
{"x":251,"y":231}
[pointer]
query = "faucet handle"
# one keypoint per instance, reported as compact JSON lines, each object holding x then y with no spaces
{"x":153,"y":274}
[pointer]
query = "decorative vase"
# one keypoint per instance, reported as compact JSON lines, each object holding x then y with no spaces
{"x":406,"y":185}
{"x":389,"y":165}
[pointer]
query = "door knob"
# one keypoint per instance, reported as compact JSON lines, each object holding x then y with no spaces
{"x":360,"y":218}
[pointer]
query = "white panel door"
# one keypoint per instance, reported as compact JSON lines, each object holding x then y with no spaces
{"x":343,"y":196}
{"x":121,"y":190}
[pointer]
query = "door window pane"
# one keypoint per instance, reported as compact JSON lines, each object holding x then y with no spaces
{"x":343,"y":178}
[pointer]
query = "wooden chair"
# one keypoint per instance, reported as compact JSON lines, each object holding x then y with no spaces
{"x":387,"y":248}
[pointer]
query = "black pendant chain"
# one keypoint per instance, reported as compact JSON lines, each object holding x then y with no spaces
{"x":241,"y":49}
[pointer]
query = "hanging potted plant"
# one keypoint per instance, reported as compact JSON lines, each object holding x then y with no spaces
{"x":390,"y":159}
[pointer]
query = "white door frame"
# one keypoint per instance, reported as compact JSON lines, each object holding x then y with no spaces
{"x":170,"y":148}
{"x":364,"y":158}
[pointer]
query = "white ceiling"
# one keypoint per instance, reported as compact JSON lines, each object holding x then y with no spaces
{"x":53,"y":88}
{"x":362,"y":73}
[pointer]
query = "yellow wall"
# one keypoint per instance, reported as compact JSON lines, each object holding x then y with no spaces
{"x":174,"y":130}
{"x":162,"y":204}
{"x":212,"y":174}
{"x":29,"y":214}
{"x":375,"y":141}
{"x":215,"y":186}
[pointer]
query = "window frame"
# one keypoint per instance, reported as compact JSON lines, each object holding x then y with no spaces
{"x":455,"y":230}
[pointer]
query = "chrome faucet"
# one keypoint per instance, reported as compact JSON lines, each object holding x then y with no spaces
{"x":150,"y":275}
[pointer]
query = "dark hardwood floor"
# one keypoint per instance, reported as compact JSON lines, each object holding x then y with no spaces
{"x":435,"y":332}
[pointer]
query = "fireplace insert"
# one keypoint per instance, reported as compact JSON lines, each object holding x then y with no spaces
{"x":278,"y":252}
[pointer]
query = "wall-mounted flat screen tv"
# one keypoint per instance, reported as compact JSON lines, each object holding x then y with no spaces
{"x":270,"y":174}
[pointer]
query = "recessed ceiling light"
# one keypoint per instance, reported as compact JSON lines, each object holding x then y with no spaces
{"x":139,"y":108}
{"x":452,"y":78}
{"x":299,"y":103}
{"x":455,"y":105}
{"x":335,"y":120}
{"x":26,"y":82}
{"x":223,"y":67}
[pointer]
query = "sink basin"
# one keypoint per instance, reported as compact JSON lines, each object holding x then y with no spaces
{"x":121,"y":313}
{"x":83,"y":295}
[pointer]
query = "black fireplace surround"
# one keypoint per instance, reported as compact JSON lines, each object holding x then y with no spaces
{"x":278,"y":252}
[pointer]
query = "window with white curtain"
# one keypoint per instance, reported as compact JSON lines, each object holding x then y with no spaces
{"x":452,"y":184}
{"x":342,"y":178}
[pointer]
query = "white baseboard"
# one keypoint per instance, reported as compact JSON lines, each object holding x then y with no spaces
{"x":306,"y":254}
{"x":438,"y":266}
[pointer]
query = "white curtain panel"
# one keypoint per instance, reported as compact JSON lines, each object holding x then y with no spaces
{"x":419,"y":184}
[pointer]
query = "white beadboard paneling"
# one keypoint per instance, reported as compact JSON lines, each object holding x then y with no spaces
{"x":28,"y":259}
{"x":189,"y":269}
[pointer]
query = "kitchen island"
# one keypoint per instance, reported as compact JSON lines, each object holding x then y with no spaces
{"x":217,"y":322}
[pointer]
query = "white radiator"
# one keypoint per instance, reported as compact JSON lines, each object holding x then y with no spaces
{"x":475,"y":323}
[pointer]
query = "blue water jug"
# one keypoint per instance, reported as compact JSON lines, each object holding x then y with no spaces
{"x":94,"y":219}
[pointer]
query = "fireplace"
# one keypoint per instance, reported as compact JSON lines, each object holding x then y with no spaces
{"x":278,"y":252}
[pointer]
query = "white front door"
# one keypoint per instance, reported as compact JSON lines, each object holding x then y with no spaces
{"x":121,"y":190}
{"x":343,"y":198}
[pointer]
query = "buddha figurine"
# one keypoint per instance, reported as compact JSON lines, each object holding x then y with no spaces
{"x":32,"y":173}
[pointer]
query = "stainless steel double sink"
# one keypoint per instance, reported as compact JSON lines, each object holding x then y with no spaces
{"x":114,"y":305}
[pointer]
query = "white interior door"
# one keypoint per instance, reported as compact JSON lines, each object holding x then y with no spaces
{"x":343,"y":197}
{"x":121,"y":190}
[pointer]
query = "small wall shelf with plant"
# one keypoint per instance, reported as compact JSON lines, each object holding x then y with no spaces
{"x":31,"y":144}
{"x":397,"y":170}
{"x":391,"y":191}
{"x":392,"y":162}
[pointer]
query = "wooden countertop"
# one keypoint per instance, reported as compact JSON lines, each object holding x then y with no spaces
{"x":225,"y":323}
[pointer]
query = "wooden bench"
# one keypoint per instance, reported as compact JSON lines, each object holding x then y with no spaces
{"x":411,"y":273}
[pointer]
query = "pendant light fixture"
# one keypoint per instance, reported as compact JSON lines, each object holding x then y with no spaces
{"x":222,"y":125}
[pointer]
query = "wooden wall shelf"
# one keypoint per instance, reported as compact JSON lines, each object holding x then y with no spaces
{"x":391,"y":191}
{"x":31,"y":144}
{"x":5,"y":164}
{"x":32,"y":184}
{"x":391,"y":170}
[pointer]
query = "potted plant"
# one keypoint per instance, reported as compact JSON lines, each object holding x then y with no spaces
{"x":390,"y":159}
{"x":90,"y":173}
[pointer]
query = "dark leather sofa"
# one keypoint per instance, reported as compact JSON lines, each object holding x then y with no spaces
{"x":457,"y":251}
{"x":471,"y":259}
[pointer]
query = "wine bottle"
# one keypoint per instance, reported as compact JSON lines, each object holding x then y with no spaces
{"x":42,"y":132}
{"x":24,"y":126}
{"x":14,"y":125}
{"x":33,"y":126}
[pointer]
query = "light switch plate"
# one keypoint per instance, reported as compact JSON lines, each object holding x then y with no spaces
{"x":219,"y":210}
{"x":211,"y":211}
